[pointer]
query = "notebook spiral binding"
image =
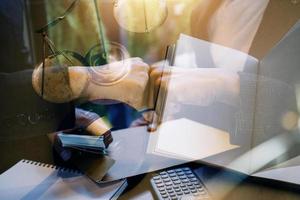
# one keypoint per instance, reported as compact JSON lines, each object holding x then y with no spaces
{"x":60,"y":168}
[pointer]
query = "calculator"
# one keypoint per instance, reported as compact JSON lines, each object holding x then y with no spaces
{"x":179,"y":183}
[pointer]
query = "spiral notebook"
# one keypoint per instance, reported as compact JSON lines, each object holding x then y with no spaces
{"x":28,"y":180}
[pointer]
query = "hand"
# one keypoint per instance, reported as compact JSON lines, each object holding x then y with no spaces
{"x":89,"y":121}
{"x":131,"y":89}
{"x":196,"y":86}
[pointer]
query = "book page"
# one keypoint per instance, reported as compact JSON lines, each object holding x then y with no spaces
{"x":276,"y":130}
{"x":182,"y":139}
{"x":287,"y":171}
{"x":196,"y":53}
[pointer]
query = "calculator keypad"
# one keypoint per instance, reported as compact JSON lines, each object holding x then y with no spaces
{"x":178,"y":184}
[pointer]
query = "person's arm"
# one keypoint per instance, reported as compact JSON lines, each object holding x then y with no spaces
{"x":197,"y":86}
{"x":64,"y":84}
{"x":124,"y":81}
{"x":91,"y":122}
{"x":24,"y":113}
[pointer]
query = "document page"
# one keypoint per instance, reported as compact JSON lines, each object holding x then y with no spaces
{"x":287,"y":171}
{"x":196,"y":53}
{"x":190,"y":140}
{"x":276,"y":131}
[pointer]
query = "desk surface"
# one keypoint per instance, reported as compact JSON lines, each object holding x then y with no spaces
{"x":244,"y":191}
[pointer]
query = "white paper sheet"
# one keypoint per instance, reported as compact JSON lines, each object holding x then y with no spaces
{"x":193,"y":52}
{"x":190,"y":140}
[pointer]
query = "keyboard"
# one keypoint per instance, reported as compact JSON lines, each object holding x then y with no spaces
{"x":178,"y":184}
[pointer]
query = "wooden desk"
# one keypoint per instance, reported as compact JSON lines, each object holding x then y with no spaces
{"x":244,"y":191}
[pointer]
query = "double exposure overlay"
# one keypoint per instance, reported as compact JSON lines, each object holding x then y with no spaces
{"x":169,"y":82}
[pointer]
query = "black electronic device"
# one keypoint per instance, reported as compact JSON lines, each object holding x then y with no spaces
{"x":179,"y":183}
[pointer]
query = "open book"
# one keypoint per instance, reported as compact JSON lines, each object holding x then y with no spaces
{"x":254,"y":131}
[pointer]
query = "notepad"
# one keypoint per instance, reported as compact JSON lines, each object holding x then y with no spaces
{"x":29,"y":180}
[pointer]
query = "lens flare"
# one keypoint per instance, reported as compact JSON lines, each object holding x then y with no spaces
{"x":140,"y":15}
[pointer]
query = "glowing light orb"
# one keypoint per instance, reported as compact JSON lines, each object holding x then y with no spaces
{"x":140,"y":15}
{"x":115,"y":68}
{"x":290,"y":120}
